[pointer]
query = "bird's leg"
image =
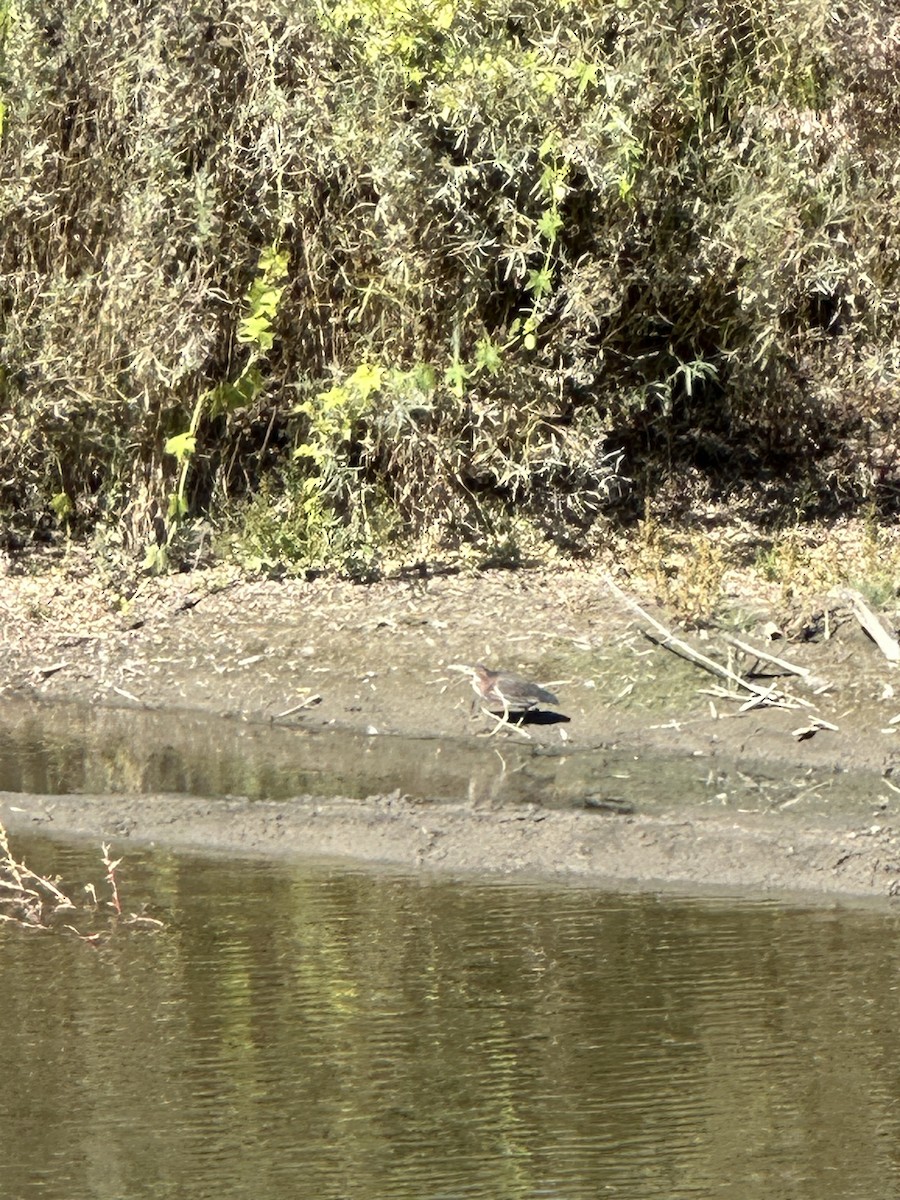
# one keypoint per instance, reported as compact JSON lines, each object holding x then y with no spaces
{"x":504,"y":722}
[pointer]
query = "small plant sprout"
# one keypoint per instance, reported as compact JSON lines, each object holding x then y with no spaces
{"x":111,"y":865}
{"x":34,"y":901}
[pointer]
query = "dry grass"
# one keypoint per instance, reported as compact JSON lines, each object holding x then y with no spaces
{"x":581,"y":245}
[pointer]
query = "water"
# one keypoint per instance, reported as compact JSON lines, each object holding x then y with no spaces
{"x":307,"y":1032}
{"x":69,"y":748}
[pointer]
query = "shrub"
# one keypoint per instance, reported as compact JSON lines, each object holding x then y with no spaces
{"x":551,"y":232}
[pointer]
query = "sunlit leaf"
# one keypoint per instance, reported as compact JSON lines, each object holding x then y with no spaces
{"x":273,"y":263}
{"x":62,"y":506}
{"x":424,"y":377}
{"x":335,"y":397}
{"x":255,"y":329}
{"x":366,"y":379}
{"x":549,"y":224}
{"x":309,"y":450}
{"x":539,"y":282}
{"x":455,"y":377}
{"x":177,"y":507}
{"x":182,"y":445}
{"x":487,"y":356}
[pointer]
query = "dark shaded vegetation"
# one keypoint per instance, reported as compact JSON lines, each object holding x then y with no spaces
{"x":434,"y":272}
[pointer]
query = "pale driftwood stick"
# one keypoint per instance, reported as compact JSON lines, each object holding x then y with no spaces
{"x":51,"y":670}
{"x":307,"y":703}
{"x":888,"y":646}
{"x":815,"y":725}
{"x":791,"y":668}
{"x":756,"y":701}
{"x":677,"y":646}
{"x":771,"y":696}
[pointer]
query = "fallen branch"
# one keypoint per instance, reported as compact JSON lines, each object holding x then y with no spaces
{"x":307,"y":703}
{"x":669,"y":641}
{"x":811,"y":729}
{"x":888,"y":645}
{"x":760,"y":695}
{"x":783,"y":664}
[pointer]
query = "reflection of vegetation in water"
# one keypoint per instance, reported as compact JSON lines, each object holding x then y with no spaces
{"x":512,"y":245}
{"x":404,"y":1038}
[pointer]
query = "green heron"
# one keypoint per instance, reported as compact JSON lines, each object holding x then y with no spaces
{"x":510,"y":691}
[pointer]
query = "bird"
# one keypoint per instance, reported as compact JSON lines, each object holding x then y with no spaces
{"x":511,"y":691}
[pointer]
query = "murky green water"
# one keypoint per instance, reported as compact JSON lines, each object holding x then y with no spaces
{"x":300,"y":1032}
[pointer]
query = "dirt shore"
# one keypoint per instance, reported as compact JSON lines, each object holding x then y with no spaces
{"x":325,"y":718}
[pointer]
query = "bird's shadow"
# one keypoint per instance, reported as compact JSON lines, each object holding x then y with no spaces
{"x":536,"y":716}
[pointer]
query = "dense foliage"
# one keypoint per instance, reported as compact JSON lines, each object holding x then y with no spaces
{"x":422,"y":269}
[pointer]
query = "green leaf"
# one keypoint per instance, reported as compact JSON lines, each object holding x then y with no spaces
{"x":62,"y":506}
{"x":182,"y":445}
{"x":548,"y":146}
{"x":549,"y":224}
{"x":308,"y":450}
{"x":539,"y":283}
{"x":586,"y":73}
{"x":156,"y":559}
{"x":177,"y":507}
{"x":255,"y":329}
{"x":366,"y":379}
{"x":273,"y":263}
{"x":226,"y":397}
{"x":455,"y":377}
{"x":223,"y":398}
{"x":263,"y":299}
{"x":424,"y":377}
{"x":487,"y":356}
{"x":335,"y":397}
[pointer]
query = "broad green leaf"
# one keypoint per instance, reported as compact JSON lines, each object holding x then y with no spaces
{"x":62,"y":506}
{"x":309,"y":450}
{"x":263,"y":299}
{"x":335,"y":397}
{"x":182,"y":445}
{"x":456,"y":376}
{"x":177,"y":507}
{"x":586,"y":73}
{"x":156,"y":559}
{"x":425,"y":378}
{"x":273,"y":263}
{"x":255,"y":329}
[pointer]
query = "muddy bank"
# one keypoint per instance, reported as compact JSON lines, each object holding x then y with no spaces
{"x":707,"y":851}
{"x":378,"y":659}
{"x":285,"y":691}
